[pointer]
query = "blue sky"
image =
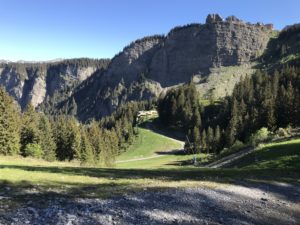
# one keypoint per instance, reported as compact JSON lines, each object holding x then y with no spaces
{"x":50,"y":29}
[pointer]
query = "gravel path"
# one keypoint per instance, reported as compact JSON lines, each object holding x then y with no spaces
{"x":276,"y":203}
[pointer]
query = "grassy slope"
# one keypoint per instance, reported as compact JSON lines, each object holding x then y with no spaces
{"x":147,"y":144}
{"x":23,"y":177}
{"x":150,"y":144}
{"x":282,"y":155}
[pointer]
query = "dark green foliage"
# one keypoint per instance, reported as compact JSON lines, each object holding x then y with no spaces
{"x":283,"y":50}
{"x":87,"y":155}
{"x":268,"y":106}
{"x":263,"y":100}
{"x":47,"y":141}
{"x":30,"y":132}
{"x":9,"y":125}
{"x":180,"y":107}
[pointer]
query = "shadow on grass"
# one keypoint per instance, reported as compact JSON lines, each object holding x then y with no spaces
{"x":281,"y":156}
{"x":173,"y":174}
{"x":173,"y":152}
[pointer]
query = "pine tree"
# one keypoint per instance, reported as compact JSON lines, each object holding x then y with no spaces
{"x":87,"y":152}
{"x":196,"y":140}
{"x":47,"y":141}
{"x":232,"y":127}
{"x":30,"y":133}
{"x":9,"y":125}
{"x":204,"y":140}
{"x":217,"y":135}
{"x":95,"y":138}
{"x":210,"y":139}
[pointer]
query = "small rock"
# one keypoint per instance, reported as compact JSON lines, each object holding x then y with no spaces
{"x":264,"y":199}
{"x":33,"y":212}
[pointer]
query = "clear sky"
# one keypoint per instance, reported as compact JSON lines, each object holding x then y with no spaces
{"x":51,"y":29}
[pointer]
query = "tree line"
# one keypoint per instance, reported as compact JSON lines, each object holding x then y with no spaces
{"x":263,"y":100}
{"x":63,"y":137}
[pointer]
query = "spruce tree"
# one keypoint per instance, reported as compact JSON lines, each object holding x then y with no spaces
{"x":9,"y":125}
{"x":47,"y":141}
{"x":87,"y":152}
{"x":30,"y":133}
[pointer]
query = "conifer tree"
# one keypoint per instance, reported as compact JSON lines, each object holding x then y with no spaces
{"x":30,"y":133}
{"x":47,"y":141}
{"x":87,"y":152}
{"x":9,"y":125}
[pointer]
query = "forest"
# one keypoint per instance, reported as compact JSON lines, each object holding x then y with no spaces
{"x":265,"y":100}
{"x":63,"y":137}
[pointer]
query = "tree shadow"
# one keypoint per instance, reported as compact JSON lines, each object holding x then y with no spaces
{"x":173,"y":152}
{"x":185,"y":206}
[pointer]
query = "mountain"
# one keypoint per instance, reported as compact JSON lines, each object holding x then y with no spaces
{"x":215,"y":55}
{"x":36,"y":81}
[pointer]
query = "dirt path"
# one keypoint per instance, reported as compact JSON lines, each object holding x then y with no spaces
{"x":226,"y":161}
{"x":139,"y":159}
{"x":246,"y":204}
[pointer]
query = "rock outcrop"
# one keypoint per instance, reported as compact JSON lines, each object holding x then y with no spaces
{"x":32,"y":82}
{"x":149,"y":65}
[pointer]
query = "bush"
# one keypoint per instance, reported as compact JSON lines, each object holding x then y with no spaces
{"x":263,"y":134}
{"x":238,"y":145}
{"x":281,"y":132}
{"x":33,"y":150}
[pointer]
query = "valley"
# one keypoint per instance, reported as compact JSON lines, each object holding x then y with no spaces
{"x":200,"y":125}
{"x":264,"y":183}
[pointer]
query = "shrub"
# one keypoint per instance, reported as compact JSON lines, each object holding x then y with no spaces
{"x":238,"y":145}
{"x":281,"y":132}
{"x":33,"y":150}
{"x":263,"y":134}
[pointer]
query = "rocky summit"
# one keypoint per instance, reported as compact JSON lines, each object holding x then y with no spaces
{"x":210,"y":54}
{"x":148,"y":66}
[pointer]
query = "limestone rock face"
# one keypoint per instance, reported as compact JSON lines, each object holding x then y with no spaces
{"x":159,"y":62}
{"x":32,"y":82}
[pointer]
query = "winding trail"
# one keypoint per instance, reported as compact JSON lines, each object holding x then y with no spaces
{"x":139,"y":159}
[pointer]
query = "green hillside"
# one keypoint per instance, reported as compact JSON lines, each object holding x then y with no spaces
{"x":152,"y":150}
{"x":282,"y":155}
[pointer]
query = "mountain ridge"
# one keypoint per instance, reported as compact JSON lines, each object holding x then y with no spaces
{"x":149,"y":65}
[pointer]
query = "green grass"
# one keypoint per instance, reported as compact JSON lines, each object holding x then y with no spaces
{"x":282,"y":155}
{"x":147,"y":144}
{"x":31,"y":179}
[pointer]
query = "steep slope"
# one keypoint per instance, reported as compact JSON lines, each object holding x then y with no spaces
{"x":33,"y":82}
{"x":284,"y":49}
{"x":149,"y":65}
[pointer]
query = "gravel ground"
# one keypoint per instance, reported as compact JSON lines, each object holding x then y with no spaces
{"x":276,"y":203}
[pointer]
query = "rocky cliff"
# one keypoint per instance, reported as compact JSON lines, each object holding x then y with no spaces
{"x":33,"y":82}
{"x":149,"y":65}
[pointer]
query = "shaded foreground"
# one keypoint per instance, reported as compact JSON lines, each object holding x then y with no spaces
{"x":264,"y":189}
{"x":273,"y":203}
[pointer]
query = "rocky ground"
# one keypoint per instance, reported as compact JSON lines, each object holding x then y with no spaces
{"x":246,"y":203}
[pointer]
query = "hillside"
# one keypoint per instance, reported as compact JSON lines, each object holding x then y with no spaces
{"x":152,"y":64}
{"x":58,"y":192}
{"x":37,"y":82}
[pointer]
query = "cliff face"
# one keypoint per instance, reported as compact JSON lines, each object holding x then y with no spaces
{"x":32,"y":82}
{"x":149,"y":65}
